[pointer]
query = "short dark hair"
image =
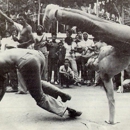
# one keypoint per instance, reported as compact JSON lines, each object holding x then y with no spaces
{"x":67,"y":60}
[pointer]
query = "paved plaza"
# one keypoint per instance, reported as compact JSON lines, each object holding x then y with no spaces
{"x":20,"y":112}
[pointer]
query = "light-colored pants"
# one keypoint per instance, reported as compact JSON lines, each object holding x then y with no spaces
{"x":21,"y":84}
{"x":73,"y":66}
{"x":31,"y":66}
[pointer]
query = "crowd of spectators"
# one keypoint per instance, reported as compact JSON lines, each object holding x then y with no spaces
{"x":65,"y":58}
{"x":105,"y":9}
{"x":68,"y":60}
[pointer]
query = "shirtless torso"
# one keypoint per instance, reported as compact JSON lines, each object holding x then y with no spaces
{"x":9,"y":59}
{"x":25,"y":31}
{"x":111,"y":61}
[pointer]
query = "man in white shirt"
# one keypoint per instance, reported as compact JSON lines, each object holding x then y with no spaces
{"x":66,"y":74}
{"x":41,"y":44}
{"x":81,"y":57}
{"x":71,"y":56}
{"x":85,"y":43}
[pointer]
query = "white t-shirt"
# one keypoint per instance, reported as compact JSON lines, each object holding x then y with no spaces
{"x":41,"y":39}
{"x":69,"y":48}
{"x":85,"y":44}
{"x":69,"y":70}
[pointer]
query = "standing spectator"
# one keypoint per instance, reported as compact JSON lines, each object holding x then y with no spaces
{"x":41,"y":44}
{"x":68,"y":38}
{"x":84,"y":7}
{"x":61,"y":51}
{"x":13,"y":15}
{"x":8,"y":43}
{"x":79,"y":33}
{"x":70,"y":47}
{"x":52,"y":59}
{"x":93,"y":59}
{"x":66,"y":74}
{"x":77,"y":54}
{"x":85,"y":44}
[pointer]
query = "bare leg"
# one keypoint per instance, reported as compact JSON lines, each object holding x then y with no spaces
{"x":111,"y":101}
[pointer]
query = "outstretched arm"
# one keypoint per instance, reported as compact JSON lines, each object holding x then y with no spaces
{"x":17,"y":25}
{"x":6,"y":17}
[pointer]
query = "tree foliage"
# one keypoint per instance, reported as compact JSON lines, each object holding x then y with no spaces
{"x":7,"y":5}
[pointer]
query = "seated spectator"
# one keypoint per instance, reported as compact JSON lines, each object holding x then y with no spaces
{"x":66,"y":74}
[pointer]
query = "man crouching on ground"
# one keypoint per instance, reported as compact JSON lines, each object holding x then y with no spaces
{"x":30,"y":64}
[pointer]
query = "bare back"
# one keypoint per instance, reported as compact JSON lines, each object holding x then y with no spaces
{"x":9,"y":58}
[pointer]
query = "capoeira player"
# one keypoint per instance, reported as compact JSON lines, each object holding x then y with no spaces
{"x":30,"y":64}
{"x":112,"y":59}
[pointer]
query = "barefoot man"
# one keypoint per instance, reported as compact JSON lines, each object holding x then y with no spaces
{"x":112,"y":59}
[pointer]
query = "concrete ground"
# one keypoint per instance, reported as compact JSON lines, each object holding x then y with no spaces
{"x":20,"y":112}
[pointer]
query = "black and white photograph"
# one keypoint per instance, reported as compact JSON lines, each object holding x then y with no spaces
{"x":64,"y":64}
